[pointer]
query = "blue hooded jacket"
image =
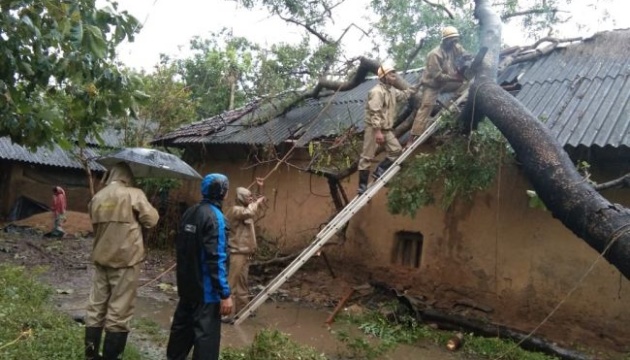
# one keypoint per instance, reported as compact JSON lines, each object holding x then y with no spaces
{"x":202,"y":246}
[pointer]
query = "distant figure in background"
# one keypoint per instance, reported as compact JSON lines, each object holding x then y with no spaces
{"x":118,"y":212}
{"x":241,"y":218}
{"x":59,"y":210}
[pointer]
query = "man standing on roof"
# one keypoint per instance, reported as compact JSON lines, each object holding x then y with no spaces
{"x":202,"y":275}
{"x":440,"y":75}
{"x":380,"y":115}
{"x":118,"y":213}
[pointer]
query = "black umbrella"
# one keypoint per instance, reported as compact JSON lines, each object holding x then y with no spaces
{"x":150,"y":163}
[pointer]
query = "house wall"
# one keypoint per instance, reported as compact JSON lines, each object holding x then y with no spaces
{"x":36,"y":182}
{"x":496,"y":251}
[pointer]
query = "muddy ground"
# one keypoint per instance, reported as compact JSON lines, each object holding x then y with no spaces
{"x":68,"y":271}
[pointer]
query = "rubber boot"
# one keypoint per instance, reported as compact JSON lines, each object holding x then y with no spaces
{"x":114,"y":345}
{"x":364,"y":177}
{"x":381,"y":168}
{"x":92,"y":342}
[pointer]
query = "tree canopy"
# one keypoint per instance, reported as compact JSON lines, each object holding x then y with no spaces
{"x":58,"y":77}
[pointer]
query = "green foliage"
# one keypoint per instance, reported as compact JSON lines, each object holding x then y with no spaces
{"x":30,"y":328}
{"x":169,"y":104}
{"x":218,"y":71}
{"x":272,"y":345}
{"x":337,"y":154}
{"x":402,"y":23}
{"x":384,"y":335}
{"x":459,"y":167}
{"x":58,"y":79}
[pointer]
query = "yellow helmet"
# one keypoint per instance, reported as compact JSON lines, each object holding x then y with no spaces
{"x":449,"y":32}
{"x":384,"y":70}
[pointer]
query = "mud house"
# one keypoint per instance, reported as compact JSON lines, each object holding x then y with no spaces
{"x":496,"y":250}
{"x":28,"y":176}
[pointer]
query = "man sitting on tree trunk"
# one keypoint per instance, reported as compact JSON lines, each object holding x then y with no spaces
{"x":380,"y":115}
{"x":440,"y":75}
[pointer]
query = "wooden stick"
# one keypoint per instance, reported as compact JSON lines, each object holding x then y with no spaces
{"x":341,"y":303}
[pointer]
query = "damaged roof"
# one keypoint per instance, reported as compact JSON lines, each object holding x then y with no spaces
{"x":581,"y":91}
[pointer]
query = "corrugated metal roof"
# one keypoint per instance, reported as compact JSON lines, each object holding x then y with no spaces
{"x":327,"y":116}
{"x":54,"y":156}
{"x":582,"y":91}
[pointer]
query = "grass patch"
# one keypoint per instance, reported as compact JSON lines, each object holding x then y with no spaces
{"x":30,"y":328}
{"x":272,"y":345}
{"x":378,"y":335}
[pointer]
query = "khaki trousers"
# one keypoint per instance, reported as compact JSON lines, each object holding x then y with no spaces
{"x":112,"y":298}
{"x":237,"y":278}
{"x":392,"y":146}
{"x":429,"y":95}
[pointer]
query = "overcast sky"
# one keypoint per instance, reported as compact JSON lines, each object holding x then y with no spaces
{"x":170,"y":24}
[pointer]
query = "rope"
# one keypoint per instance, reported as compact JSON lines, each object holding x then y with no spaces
{"x":614,"y":237}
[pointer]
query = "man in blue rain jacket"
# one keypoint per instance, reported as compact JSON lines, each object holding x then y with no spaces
{"x":202,"y":275}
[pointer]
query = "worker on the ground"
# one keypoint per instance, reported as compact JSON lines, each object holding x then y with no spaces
{"x":380,"y":115}
{"x":118,"y":212}
{"x":241,"y":218}
{"x":440,"y":75}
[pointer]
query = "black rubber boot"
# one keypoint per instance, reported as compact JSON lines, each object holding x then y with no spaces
{"x":114,"y":345}
{"x":381,"y":168}
{"x":364,"y":177}
{"x":92,"y":342}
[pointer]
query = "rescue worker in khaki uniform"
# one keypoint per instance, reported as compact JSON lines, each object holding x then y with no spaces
{"x":118,"y":211}
{"x":241,"y":218}
{"x":439,"y":75}
{"x":380,"y":115}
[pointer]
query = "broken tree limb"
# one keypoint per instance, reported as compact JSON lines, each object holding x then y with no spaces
{"x":480,"y":328}
{"x":563,"y":190}
{"x":622,"y":182}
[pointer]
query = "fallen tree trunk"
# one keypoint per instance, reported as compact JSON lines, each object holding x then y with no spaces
{"x":563,"y":190}
{"x":480,"y":328}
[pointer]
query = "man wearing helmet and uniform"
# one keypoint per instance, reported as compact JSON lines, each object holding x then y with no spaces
{"x":380,"y":115}
{"x":202,"y":275}
{"x":440,"y":75}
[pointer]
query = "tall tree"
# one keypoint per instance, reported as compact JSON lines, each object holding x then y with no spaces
{"x":58,"y":78}
{"x":216,"y":73}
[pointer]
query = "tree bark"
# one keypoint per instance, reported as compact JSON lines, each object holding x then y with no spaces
{"x":569,"y":197}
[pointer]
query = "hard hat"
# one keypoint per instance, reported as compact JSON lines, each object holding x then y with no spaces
{"x":384,"y":70}
{"x":449,"y":32}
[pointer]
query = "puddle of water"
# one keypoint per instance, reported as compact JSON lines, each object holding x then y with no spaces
{"x":305,"y":326}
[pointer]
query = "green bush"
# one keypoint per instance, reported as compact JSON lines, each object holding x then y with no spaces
{"x":30,"y":328}
{"x":272,"y":345}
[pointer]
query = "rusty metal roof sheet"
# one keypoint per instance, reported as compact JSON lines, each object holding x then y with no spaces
{"x":54,"y":156}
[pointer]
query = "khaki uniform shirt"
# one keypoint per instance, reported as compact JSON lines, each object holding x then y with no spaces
{"x":440,"y":67}
{"x":380,"y":109}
